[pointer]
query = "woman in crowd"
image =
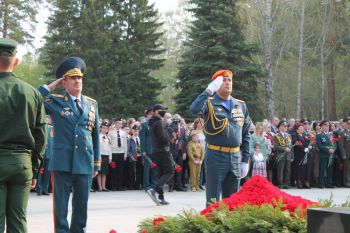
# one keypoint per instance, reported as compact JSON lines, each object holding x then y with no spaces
{"x":301,"y":152}
{"x":106,"y":157}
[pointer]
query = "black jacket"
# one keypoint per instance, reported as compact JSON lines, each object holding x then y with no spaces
{"x":159,"y":135}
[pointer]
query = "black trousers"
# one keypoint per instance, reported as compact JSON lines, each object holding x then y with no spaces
{"x":139,"y":172}
{"x":117,"y":174}
{"x":165,"y":171}
{"x":176,"y":180}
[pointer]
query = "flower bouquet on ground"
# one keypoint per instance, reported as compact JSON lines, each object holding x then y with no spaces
{"x":258,"y":207}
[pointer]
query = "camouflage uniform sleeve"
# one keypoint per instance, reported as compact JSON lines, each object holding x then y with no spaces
{"x":245,"y":147}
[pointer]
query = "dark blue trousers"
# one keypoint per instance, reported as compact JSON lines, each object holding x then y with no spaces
{"x":223,"y":174}
{"x":63,"y":183}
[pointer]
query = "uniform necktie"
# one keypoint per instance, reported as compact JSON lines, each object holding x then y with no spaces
{"x":78,"y":106}
{"x":119,"y":140}
{"x":137,"y":142}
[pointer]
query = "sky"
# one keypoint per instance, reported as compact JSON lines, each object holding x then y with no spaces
{"x":41,"y":28}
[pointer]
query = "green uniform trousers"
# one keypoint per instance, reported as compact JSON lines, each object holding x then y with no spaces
{"x":15,"y":182}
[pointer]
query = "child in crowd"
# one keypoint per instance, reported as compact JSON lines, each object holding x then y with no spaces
{"x":196,"y":156}
{"x":259,"y":163}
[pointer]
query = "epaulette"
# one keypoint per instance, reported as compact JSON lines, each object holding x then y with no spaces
{"x":211,"y":97}
{"x":91,"y":99}
{"x":57,"y":95}
{"x":241,"y":101}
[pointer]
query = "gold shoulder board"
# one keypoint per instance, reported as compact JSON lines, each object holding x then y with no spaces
{"x":241,"y":101}
{"x":57,"y":95}
{"x":90,"y":99}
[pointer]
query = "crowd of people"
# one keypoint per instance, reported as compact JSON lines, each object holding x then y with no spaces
{"x":289,"y":154}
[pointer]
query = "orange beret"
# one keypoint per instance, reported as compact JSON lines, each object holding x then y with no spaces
{"x":224,"y":73}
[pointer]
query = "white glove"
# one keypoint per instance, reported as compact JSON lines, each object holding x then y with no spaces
{"x":244,"y":170}
{"x":306,"y":150}
{"x":215,"y":85}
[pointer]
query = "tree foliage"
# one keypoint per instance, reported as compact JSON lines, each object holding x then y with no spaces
{"x":216,"y":42}
{"x":119,"y":41}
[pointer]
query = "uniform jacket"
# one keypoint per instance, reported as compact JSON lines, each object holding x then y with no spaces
{"x":236,"y":134}
{"x":145,"y":138}
{"x":280,"y":145}
{"x":76,"y":145}
{"x":195,"y":151}
{"x":159,"y":134}
{"x":105,"y":145}
{"x":23,"y":128}
{"x":123,"y":149}
{"x":323,"y":143}
{"x":344,"y":144}
{"x":133,"y":149}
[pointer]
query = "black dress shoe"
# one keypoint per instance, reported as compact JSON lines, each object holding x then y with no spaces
{"x":39,"y":194}
{"x":46,"y":194}
{"x":201,"y":187}
{"x":92,"y":190}
{"x":285,"y":187}
{"x":330,"y":186}
{"x":181,"y":189}
{"x":171,"y":189}
{"x":105,"y":190}
{"x":321,"y":186}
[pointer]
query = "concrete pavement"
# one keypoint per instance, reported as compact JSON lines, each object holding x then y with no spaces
{"x":123,"y":211}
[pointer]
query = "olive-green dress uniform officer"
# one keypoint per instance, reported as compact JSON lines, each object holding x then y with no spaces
{"x":22,"y":141}
{"x":76,"y":153}
{"x":344,"y":146}
{"x":325,"y":146}
{"x":226,"y":128}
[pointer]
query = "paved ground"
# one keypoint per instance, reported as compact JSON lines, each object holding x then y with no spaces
{"x":123,"y":211}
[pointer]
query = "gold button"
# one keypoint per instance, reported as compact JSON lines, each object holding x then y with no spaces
{"x":76,"y":147}
{"x":76,"y":135}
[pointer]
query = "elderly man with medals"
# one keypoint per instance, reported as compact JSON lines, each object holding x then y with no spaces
{"x":75,"y":153}
{"x":226,"y":127}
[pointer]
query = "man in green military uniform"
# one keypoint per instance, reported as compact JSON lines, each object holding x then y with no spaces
{"x":226,"y":128}
{"x":344,"y":147}
{"x":76,"y":155}
{"x":325,"y":146}
{"x":22,"y":141}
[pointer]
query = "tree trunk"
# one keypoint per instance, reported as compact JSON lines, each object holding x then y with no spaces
{"x":300,"y":61}
{"x":332,"y":115}
{"x":5,"y":22}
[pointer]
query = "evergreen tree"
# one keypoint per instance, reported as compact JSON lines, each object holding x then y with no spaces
{"x":118,"y":41}
{"x":216,"y":42}
{"x":16,"y":13}
{"x":138,"y":49}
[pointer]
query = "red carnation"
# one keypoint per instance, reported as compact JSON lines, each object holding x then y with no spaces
{"x":42,"y":170}
{"x":299,"y":143}
{"x":258,"y":191}
{"x":153,"y":165}
{"x":341,"y":166}
{"x":335,"y":139}
{"x":144,"y":231}
{"x":178,"y":168}
{"x":113,"y":165}
{"x":158,"y":221}
{"x":112,"y":231}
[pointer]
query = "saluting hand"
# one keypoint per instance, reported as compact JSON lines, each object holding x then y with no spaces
{"x":52,"y":86}
{"x":215,"y":85}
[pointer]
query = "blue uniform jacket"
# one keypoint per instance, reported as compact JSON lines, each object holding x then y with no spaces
{"x":323,"y":143}
{"x":76,"y":144}
{"x":145,"y":138}
{"x":236,"y":134}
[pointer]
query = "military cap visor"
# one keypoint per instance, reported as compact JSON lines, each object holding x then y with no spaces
{"x":282,"y":123}
{"x":7,"y":47}
{"x":159,"y":107}
{"x":71,"y":66}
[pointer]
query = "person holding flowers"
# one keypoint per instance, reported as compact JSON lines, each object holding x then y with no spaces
{"x":196,"y":157}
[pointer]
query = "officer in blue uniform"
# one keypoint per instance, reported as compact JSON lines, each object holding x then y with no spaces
{"x":76,"y":153}
{"x":325,"y":146}
{"x":42,"y":187}
{"x":226,"y":127}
